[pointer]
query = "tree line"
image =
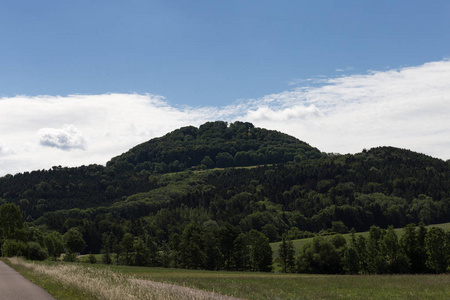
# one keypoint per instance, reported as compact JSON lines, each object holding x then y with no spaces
{"x":206,"y":246}
{"x":418,"y":250}
{"x":18,"y":239}
{"x":213,"y":247}
{"x":198,"y":247}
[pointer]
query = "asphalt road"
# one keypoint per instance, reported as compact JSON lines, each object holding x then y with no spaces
{"x":14,"y":286}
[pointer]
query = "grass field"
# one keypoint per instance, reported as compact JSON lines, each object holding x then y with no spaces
{"x":254,"y":285}
{"x":298,"y":244}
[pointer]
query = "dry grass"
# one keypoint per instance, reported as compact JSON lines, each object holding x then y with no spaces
{"x":189,"y":293}
{"x":105,"y":284}
{"x":272,"y":286}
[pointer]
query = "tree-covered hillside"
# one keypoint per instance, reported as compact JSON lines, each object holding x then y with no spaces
{"x":225,"y":186}
{"x":214,"y":144}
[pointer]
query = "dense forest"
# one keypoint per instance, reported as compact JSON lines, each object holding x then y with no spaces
{"x":222,"y":192}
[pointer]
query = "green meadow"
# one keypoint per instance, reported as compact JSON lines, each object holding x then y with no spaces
{"x":287,"y":286}
{"x":248,"y":285}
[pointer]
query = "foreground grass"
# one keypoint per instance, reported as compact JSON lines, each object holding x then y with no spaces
{"x":258,"y":285}
{"x":98,"y":283}
{"x":287,"y":286}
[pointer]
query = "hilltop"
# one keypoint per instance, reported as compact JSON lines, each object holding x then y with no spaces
{"x":214,"y":144}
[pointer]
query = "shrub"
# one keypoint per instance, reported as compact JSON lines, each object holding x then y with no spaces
{"x":13,"y":248}
{"x":70,"y":257}
{"x":92,"y":258}
{"x":106,"y":258}
{"x":36,"y":252}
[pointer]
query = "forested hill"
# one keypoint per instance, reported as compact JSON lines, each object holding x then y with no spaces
{"x":160,"y":188}
{"x":214,"y":144}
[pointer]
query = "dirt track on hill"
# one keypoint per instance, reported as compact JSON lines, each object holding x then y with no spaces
{"x":14,"y":286}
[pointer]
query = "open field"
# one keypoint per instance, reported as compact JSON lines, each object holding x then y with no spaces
{"x":298,"y":244}
{"x":250,"y":285}
{"x":80,"y":281}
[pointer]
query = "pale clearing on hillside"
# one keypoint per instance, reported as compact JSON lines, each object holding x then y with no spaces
{"x":109,"y":285}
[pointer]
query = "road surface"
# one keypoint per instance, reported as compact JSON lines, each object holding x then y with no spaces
{"x":14,"y":286}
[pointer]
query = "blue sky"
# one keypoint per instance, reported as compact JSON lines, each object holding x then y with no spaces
{"x":208,"y":52}
{"x":82,"y":81}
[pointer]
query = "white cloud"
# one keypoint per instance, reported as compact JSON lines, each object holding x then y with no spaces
{"x":66,"y":138}
{"x":298,"y":112}
{"x":405,"y":107}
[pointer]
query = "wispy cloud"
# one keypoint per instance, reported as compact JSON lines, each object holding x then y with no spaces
{"x":318,"y":79}
{"x":404,"y":107}
{"x":298,"y":113}
{"x":345,"y":69}
{"x":401,"y":107}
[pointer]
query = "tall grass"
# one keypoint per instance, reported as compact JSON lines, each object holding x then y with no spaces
{"x":103,"y":283}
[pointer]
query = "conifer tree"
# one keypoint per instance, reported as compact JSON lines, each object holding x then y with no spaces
{"x":286,"y":254}
{"x":435,"y":242}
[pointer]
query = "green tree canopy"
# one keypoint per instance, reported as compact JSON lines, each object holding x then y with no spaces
{"x":10,"y":220}
{"x":74,"y":241}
